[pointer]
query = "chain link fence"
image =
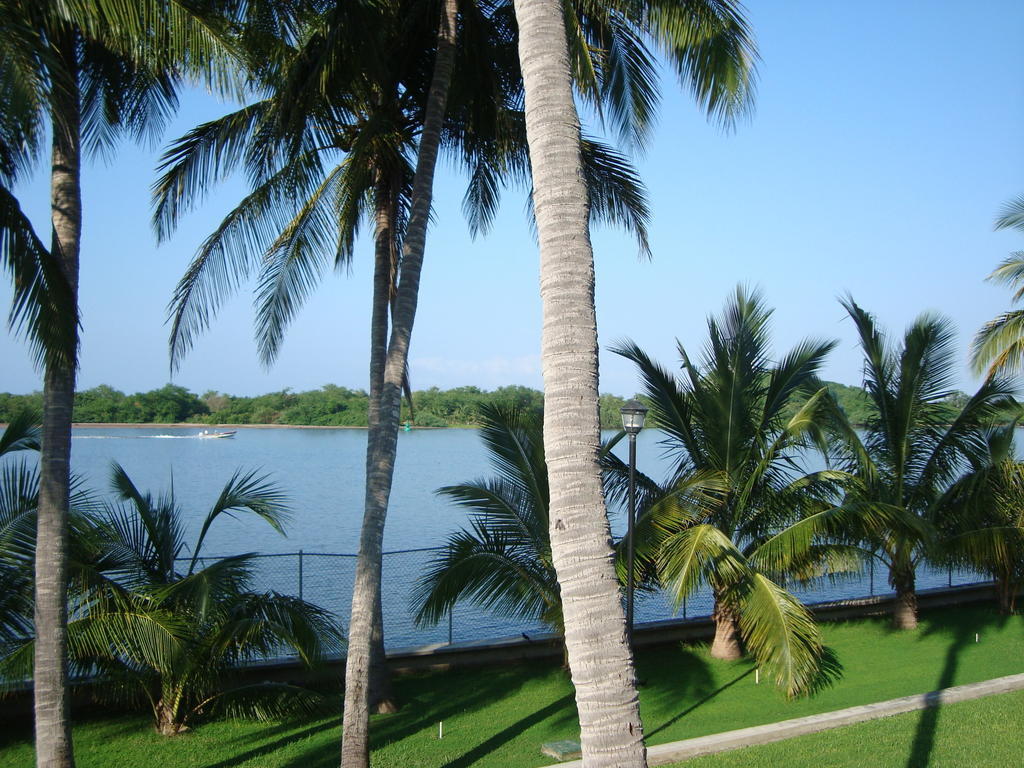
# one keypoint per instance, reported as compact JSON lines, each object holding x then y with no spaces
{"x":325,"y":579}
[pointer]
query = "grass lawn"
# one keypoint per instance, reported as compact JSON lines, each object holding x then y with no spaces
{"x":500,"y":716}
{"x":970,"y":733}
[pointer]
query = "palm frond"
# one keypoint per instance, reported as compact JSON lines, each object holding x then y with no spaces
{"x":21,"y":433}
{"x":295,"y":262}
{"x":781,"y":634}
{"x":485,"y":566}
{"x":43,"y":309}
{"x":1012,"y":215}
{"x":700,"y":553}
{"x":246,"y":492}
{"x":713,"y":51}
{"x":616,"y":191}
{"x":268,"y":702}
{"x":999,"y":344}
{"x":202,"y":157}
{"x":258,"y":625}
{"x":227,"y":256}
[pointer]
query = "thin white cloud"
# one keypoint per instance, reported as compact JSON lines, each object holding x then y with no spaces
{"x":488,"y":373}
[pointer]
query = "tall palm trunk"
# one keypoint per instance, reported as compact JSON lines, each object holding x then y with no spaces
{"x":52,"y":720}
{"x":595,"y":628}
{"x":380,"y":696}
{"x":382,"y":439}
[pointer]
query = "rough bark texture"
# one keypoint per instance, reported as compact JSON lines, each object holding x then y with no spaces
{"x":726,"y":644}
{"x":904,"y":612}
{"x":166,"y":723}
{"x":595,"y":628}
{"x":52,"y":721}
{"x":1006,"y":591}
{"x":381,"y":698}
{"x":382,"y":439}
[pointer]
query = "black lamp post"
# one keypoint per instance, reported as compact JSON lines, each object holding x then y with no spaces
{"x":633,"y":414}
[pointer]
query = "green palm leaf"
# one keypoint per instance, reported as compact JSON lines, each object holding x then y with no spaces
{"x":43,"y":310}
{"x":700,"y":554}
{"x":781,"y":634}
{"x":246,"y":492}
{"x":21,"y":433}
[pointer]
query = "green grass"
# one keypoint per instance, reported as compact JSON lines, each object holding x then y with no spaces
{"x":500,"y":716}
{"x":983,"y":732}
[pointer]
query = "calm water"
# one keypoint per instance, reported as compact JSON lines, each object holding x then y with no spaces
{"x":321,"y":470}
{"x":322,"y":473}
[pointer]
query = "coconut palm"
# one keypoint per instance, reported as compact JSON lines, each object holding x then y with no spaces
{"x":912,"y":450}
{"x":982,"y":521}
{"x":503,"y":559}
{"x":714,"y":49}
{"x":19,"y":502}
{"x":153,"y":618}
{"x":80,"y":70}
{"x":374,"y":116}
{"x":732,"y":421}
{"x":19,"y":496}
{"x":999,"y":345}
{"x":302,"y":210}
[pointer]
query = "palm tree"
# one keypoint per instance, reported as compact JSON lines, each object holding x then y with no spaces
{"x":736,"y":426}
{"x":80,"y":69}
{"x":373,"y":117}
{"x":19,"y":496}
{"x":982,"y":520}
{"x":150,"y":622}
{"x":999,"y":345}
{"x":714,"y":50}
{"x":503,"y":560}
{"x":912,"y":451}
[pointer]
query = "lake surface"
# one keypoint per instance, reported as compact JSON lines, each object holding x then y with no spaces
{"x":322,"y":472}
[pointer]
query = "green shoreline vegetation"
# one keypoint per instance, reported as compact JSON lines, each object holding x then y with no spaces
{"x":334,"y":406}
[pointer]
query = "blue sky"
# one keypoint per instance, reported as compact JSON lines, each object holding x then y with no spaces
{"x":886,"y":138}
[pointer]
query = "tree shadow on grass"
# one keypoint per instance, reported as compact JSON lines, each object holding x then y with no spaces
{"x":962,"y":629}
{"x":670,"y":676}
{"x":425,"y":704}
{"x":506,"y":735}
{"x":701,"y":702}
{"x":284,"y":739}
{"x":462,"y":691}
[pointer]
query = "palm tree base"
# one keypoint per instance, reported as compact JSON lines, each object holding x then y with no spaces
{"x":165,"y":723}
{"x":385,"y":706}
{"x":726,"y":644}
{"x":904,"y":613}
{"x":1006,"y":592}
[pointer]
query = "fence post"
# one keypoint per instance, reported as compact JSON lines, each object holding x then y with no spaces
{"x":871,"y":572}
{"x":950,"y":574}
{"x":300,"y":574}
{"x":451,"y":613}
{"x":684,"y":607}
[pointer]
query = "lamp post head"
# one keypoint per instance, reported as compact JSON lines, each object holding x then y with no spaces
{"x":633,"y":415}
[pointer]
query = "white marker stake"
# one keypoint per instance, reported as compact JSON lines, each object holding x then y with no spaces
{"x":975,"y":637}
{"x":440,"y":729}
{"x":757,"y":676}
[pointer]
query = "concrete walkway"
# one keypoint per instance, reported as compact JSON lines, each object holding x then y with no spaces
{"x":677,"y":751}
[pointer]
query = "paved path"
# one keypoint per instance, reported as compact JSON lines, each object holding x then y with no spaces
{"x":677,"y":751}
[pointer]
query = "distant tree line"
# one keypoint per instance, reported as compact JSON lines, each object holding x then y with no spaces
{"x":334,"y":406}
